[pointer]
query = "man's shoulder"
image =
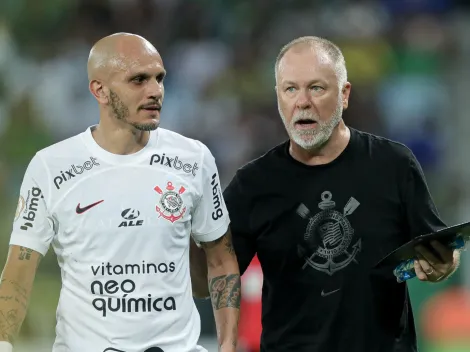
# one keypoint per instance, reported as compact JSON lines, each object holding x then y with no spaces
{"x":179,"y":142}
{"x":263,"y":173}
{"x":265,"y":162}
{"x":59,"y":162}
{"x":382,"y":147}
{"x":69,"y":147}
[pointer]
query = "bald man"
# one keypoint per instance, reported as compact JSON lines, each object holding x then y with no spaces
{"x":119,"y":204}
{"x":321,"y":209}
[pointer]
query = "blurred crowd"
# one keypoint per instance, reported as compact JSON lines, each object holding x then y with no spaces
{"x":219,"y":54}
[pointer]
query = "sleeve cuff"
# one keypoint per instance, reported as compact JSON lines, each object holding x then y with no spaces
{"x":6,"y":346}
{"x":28,"y":242}
{"x":213,"y":235}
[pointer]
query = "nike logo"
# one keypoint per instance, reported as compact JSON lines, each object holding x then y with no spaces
{"x":81,"y":210}
{"x":324,"y":294}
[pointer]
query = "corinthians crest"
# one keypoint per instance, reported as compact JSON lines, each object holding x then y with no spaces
{"x":170,"y":205}
{"x":332,"y":235}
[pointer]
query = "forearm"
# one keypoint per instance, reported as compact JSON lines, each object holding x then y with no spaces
{"x":14,"y":299}
{"x":225,"y":291}
{"x":16,"y":283}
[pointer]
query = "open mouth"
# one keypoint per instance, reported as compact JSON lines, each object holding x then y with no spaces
{"x":305,"y":123}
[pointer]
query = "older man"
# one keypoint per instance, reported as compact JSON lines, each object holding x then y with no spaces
{"x":321,"y":209}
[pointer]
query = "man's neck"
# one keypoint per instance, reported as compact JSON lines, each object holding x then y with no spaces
{"x":121,"y":140}
{"x":328,"y":152}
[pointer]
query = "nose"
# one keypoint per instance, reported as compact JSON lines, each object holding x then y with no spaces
{"x":304,"y":101}
{"x":155,"y":90}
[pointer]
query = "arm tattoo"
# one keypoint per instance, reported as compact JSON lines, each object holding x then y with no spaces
{"x":9,"y":325}
{"x":11,"y":319}
{"x":225,"y":291}
{"x":25,"y":253}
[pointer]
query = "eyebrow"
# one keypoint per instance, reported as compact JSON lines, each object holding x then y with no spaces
{"x":145,"y":74}
{"x":309,"y":83}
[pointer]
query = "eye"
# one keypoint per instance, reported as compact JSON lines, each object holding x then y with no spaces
{"x":317,"y":88}
{"x":290,"y":89}
{"x":160,"y":77}
{"x":138,"y":79}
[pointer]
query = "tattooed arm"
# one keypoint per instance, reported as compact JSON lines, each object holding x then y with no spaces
{"x":224,"y":288}
{"x":16,"y":284}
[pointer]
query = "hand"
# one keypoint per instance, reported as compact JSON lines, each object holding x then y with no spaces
{"x":428,"y":267}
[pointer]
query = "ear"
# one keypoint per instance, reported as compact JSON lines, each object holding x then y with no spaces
{"x":345,"y":95}
{"x":98,"y":91}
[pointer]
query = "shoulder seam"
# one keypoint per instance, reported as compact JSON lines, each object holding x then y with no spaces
{"x":48,"y":174}
{"x":200,"y":181}
{"x":385,"y":139}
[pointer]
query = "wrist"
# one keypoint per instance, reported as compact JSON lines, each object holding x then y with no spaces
{"x":6,"y":346}
{"x":226,"y":347}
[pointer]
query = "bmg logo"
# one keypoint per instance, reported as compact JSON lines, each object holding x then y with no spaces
{"x":216,"y":199}
{"x":32,"y":208}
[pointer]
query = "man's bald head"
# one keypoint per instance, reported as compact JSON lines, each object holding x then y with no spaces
{"x":324,"y":48}
{"x":118,"y":52}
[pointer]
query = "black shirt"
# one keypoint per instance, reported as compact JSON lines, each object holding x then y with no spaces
{"x":318,"y":231}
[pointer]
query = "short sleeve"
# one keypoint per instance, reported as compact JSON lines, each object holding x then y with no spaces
{"x":210,"y":217}
{"x":32,"y":226}
{"x":421,"y":212}
{"x":238,"y":203}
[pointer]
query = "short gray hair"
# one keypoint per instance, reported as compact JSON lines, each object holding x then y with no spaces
{"x":328,"y":47}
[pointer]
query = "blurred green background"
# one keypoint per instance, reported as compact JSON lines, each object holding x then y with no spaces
{"x":408,"y":62}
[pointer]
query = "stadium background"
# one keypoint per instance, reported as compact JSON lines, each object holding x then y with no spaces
{"x":408,"y":61}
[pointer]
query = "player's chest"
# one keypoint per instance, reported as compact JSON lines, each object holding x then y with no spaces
{"x":129,"y":208}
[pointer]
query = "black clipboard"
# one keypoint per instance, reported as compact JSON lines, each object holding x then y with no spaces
{"x":407,"y":251}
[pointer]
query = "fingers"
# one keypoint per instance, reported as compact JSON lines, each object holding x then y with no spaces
{"x":446,"y":254}
{"x":420,"y":274}
{"x":425,"y":265}
{"x":430,"y":268}
{"x":427,"y":255}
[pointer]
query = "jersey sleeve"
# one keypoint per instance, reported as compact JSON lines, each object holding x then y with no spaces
{"x":421,"y":212}
{"x":210,"y":217}
{"x":32,"y":225}
{"x":238,"y":203}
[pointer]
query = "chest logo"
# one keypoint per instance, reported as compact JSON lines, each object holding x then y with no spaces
{"x":328,"y":240}
{"x":170,"y":206}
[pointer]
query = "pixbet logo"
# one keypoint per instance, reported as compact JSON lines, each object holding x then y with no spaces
{"x":74,"y":171}
{"x":218,"y":212}
{"x":173,"y":163}
{"x":32,"y":208}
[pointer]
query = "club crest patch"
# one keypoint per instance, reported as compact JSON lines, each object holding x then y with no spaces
{"x":170,"y":206}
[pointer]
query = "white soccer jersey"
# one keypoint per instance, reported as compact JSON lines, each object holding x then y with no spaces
{"x":120,"y":226}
